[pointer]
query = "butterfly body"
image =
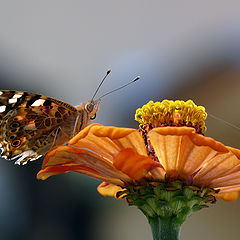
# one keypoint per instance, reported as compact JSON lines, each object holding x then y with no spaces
{"x":31,"y":124}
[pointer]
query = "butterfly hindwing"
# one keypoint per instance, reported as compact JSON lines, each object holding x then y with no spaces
{"x":32,"y":124}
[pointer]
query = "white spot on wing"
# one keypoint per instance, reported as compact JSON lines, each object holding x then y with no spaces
{"x":17,"y":95}
{"x":2,"y":109}
{"x":24,"y":157}
{"x":1,"y":93}
{"x":12,"y":100}
{"x":38,"y":102}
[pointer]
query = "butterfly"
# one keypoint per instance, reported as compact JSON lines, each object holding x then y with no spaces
{"x":31,"y":124}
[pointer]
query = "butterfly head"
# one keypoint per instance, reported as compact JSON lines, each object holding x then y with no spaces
{"x":92,"y":108}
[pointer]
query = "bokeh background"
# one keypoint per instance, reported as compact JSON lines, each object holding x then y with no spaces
{"x":181,"y":49}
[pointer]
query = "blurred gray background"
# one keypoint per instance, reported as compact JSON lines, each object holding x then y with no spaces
{"x":181,"y":49}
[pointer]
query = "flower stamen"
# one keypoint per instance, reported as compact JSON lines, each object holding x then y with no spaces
{"x":171,"y":113}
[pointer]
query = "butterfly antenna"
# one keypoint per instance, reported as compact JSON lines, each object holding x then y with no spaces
{"x":107,"y":73}
{"x":137,"y":78}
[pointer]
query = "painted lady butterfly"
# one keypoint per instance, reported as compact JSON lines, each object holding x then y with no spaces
{"x":31,"y":124}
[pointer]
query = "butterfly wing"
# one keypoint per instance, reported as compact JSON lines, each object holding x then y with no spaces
{"x":31,"y":124}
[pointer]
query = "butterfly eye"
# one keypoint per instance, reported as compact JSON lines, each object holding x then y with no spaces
{"x":89,"y":107}
{"x":93,"y":117}
{"x":16,"y":143}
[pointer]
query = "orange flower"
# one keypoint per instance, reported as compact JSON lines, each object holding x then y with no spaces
{"x":169,"y":146}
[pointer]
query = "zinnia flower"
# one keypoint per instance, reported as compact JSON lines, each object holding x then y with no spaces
{"x":167,"y":168}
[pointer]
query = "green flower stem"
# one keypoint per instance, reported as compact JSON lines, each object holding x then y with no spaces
{"x":164,"y":228}
{"x":168,"y":204}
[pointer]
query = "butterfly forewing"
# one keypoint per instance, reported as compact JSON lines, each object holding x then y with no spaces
{"x":32,"y":124}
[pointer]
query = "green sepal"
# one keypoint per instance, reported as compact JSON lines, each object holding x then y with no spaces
{"x":168,"y":204}
{"x":169,"y":199}
{"x":199,"y":207}
{"x":182,"y":215}
{"x":177,"y":203}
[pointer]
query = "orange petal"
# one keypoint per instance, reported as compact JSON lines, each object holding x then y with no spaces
{"x":83,"y":133}
{"x":58,"y":169}
{"x":219,"y":171}
{"x":66,"y":156}
{"x":55,"y":170}
{"x":49,"y":159}
{"x":235,"y":151}
{"x":228,"y":196}
{"x":176,"y":151}
{"x":181,"y":150}
{"x":108,"y":141}
{"x":229,"y":189}
{"x":229,"y":178}
{"x":197,"y":139}
{"x":112,"y":132}
{"x":95,"y":147}
{"x":110,"y":190}
{"x":134,"y":165}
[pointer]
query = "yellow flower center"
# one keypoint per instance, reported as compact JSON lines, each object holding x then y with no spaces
{"x":171,"y":113}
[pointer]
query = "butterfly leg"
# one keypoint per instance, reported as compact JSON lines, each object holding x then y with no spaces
{"x":60,"y":137}
{"x":55,"y":136}
{"x":75,"y":126}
